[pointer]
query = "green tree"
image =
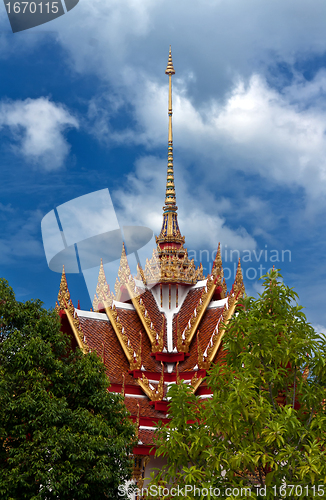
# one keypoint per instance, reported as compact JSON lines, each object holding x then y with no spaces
{"x":62,"y":434}
{"x":265,"y":422}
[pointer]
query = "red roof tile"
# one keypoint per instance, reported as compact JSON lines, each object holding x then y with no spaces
{"x":145,"y":408}
{"x":153,"y":310}
{"x":133,"y":327}
{"x":146,"y":436}
{"x":100,"y":337}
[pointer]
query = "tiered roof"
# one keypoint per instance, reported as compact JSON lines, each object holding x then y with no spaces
{"x":163,"y":326}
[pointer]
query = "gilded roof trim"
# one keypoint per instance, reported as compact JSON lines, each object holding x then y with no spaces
{"x":184,"y":338}
{"x":154,"y":395}
{"x":172,"y":265}
{"x":217,"y":271}
{"x":123,"y":274}
{"x":65,"y":304}
{"x":195,"y":382}
{"x":134,"y":358}
{"x":156,"y":338}
{"x":103,"y":293}
{"x":233,"y":298}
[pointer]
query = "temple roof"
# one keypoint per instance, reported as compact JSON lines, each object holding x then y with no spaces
{"x":163,"y":326}
{"x":167,"y":334}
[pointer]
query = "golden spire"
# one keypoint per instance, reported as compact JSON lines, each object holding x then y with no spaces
{"x":170,"y":262}
{"x":170,"y":199}
{"x":170,"y":231}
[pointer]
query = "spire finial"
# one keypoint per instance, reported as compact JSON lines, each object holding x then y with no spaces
{"x":170,"y":69}
{"x":63,"y":295}
{"x":171,"y":259}
{"x":170,"y":231}
{"x":123,"y":273}
{"x":170,"y":200}
{"x":238,"y":286}
{"x":102,"y":294}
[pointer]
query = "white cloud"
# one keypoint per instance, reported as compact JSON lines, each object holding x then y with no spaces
{"x":213,"y":39}
{"x":259,"y":130}
{"x":256,"y":130}
{"x":247,"y":126}
{"x":38,"y":126}
{"x":281,"y":140}
{"x":6,"y":208}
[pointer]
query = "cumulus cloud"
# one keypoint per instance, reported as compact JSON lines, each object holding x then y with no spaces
{"x":281,"y":140}
{"x":249,"y":126}
{"x":279,"y":135}
{"x":38,"y":126}
{"x":274,"y":131}
{"x":261,"y":131}
{"x":214,"y":40}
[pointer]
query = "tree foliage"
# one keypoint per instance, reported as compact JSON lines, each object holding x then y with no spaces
{"x":62,"y":434}
{"x":265,"y":422}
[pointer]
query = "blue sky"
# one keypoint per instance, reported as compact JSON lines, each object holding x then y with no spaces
{"x":83,"y":107}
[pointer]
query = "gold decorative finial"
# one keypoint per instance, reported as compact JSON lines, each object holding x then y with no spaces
{"x":170,"y":199}
{"x":63,"y":295}
{"x":170,"y":69}
{"x":103,"y":295}
{"x":238,"y":286}
{"x":64,"y":304}
{"x":170,"y":262}
{"x":123,"y":273}
{"x":170,"y":227}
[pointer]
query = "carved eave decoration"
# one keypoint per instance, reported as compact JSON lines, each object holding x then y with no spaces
{"x":184,"y":338}
{"x":65,"y":304}
{"x":206,"y":359}
{"x":156,"y":338}
{"x":105,"y":298}
{"x":195,"y":382}
{"x":133,"y":357}
{"x":140,"y":463}
{"x":141,"y":275}
{"x":176,"y":238}
{"x":154,"y":394}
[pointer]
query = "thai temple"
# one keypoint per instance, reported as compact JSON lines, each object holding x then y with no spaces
{"x":160,"y":327}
